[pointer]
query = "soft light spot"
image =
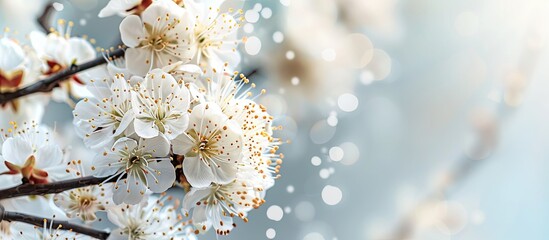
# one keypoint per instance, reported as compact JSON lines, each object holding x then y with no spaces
{"x":357,"y":50}
{"x":316,"y":161}
{"x":314,"y":236}
{"x":285,"y":2}
{"x":287,"y":210}
{"x":58,"y":6}
{"x":352,"y":153}
{"x":257,"y":7}
{"x":290,"y":55}
{"x":332,"y":120}
{"x":347,"y":102}
{"x":248,"y":28}
{"x":275,"y":213}
{"x":267,"y":13}
{"x":253,"y":45}
{"x":278,"y":37}
{"x":251,"y":16}
{"x":295,"y":81}
{"x":336,"y":153}
{"x":290,"y":189}
{"x":380,"y":65}
{"x":366,"y":77}
{"x":331,"y":195}
{"x":324,"y":173}
{"x":270,"y":233}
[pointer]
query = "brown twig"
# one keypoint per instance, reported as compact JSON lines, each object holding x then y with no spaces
{"x":47,"y":84}
{"x":44,"y":18}
{"x":56,"y":224}
{"x":28,"y":189}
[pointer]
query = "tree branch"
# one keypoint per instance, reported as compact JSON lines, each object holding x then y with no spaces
{"x":47,"y":84}
{"x":44,"y":18}
{"x":28,"y":189}
{"x":56,"y":224}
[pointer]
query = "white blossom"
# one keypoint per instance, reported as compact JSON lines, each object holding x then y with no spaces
{"x":212,"y":146}
{"x":48,"y":231}
{"x":152,"y":219}
{"x":160,"y":37}
{"x":184,"y":73}
{"x":160,"y":106}
{"x":59,"y":50}
{"x":84,"y":202}
{"x":36,"y":206}
{"x":216,"y":205}
{"x":144,"y":163}
{"x":102,"y":119}
{"x":19,"y":67}
{"x":124,"y":7}
{"x":215,"y":35}
{"x":259,"y":147}
{"x":32,"y":154}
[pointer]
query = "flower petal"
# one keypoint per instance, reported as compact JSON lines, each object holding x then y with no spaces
{"x":118,"y":7}
{"x":16,"y":150}
{"x":162,"y":177}
{"x":182,"y":144}
{"x":78,"y":51}
{"x":195,"y":196}
{"x":197,"y":172}
{"x":200,"y":218}
{"x":131,"y":31}
{"x":145,"y":129}
{"x":158,"y":146}
{"x":48,"y":155}
{"x":130,"y":190}
{"x":138,"y":60}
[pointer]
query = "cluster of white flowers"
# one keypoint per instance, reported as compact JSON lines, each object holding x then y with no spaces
{"x":174,"y":112}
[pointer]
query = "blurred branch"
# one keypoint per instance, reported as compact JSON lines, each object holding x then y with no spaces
{"x":27,"y":189}
{"x":404,"y":229}
{"x":467,"y":165}
{"x":55,"y":224}
{"x":44,"y":18}
{"x":47,"y":84}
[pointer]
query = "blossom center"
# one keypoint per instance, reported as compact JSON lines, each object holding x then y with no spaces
{"x":55,"y":67}
{"x":203,"y":144}
{"x":86,"y":202}
{"x":135,"y":231}
{"x":28,"y":170}
{"x":158,"y":43}
{"x":10,"y":81}
{"x":135,"y":162}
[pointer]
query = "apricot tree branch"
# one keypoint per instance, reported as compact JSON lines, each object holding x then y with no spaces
{"x":28,"y":189}
{"x":47,"y":84}
{"x":55,"y":224}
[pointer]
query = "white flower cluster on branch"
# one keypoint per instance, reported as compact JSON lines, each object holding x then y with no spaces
{"x":172,"y":112}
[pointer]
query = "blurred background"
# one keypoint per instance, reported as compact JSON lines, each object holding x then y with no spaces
{"x":416,"y":119}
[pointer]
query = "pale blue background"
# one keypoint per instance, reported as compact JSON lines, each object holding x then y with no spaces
{"x":408,"y":128}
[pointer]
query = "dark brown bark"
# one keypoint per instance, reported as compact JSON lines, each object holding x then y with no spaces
{"x":47,"y":84}
{"x":56,"y":224}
